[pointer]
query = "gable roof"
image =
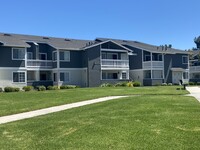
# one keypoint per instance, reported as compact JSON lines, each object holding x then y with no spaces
{"x":99,"y":43}
{"x":144,"y":46}
{"x":58,"y":43}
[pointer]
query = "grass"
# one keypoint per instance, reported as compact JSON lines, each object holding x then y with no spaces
{"x":137,"y":122}
{"x":11,"y":103}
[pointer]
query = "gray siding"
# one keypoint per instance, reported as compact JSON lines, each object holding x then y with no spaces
{"x":75,"y":60}
{"x":94,"y":66}
{"x":6,"y":58}
{"x":135,"y":61}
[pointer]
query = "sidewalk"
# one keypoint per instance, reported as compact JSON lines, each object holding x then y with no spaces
{"x":31,"y":114}
{"x":194,"y":91}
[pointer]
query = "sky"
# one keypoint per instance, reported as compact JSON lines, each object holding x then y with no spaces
{"x":156,"y":22}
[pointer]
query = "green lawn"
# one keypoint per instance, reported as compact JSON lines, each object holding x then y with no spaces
{"x":11,"y":103}
{"x":154,"y":122}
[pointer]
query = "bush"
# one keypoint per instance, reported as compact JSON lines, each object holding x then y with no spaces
{"x":1,"y":90}
{"x":52,"y":88}
{"x":169,"y":84}
{"x":136,"y":84}
{"x":121,"y":84}
{"x":11,"y":89}
{"x":27,"y":88}
{"x":41,"y":88}
{"x":68,"y":86}
{"x":130,"y":84}
{"x":164,"y":84}
{"x":198,"y":83}
{"x":106,"y":85}
{"x":191,"y":83}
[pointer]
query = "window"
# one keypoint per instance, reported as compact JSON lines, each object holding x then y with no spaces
{"x":123,"y":75}
{"x":147,"y":58}
{"x":54,"y":56}
{"x":185,"y":59}
{"x":65,"y":56}
{"x":64,"y":76}
{"x":29,"y":55}
{"x":160,"y":57}
{"x":55,"y":77}
{"x":147,"y":74}
{"x":103,"y":55}
{"x":185,"y":75}
{"x":42,"y":56}
{"x":19,"y":77}
{"x":18,"y":53}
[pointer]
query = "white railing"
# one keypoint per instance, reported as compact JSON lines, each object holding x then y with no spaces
{"x":194,"y":69}
{"x":153,"y":65}
{"x":113,"y":63}
{"x":39,"y":63}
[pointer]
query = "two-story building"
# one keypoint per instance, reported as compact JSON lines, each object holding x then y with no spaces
{"x":37,"y":60}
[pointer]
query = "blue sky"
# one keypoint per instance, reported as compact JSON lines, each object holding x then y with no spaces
{"x":155,"y":22}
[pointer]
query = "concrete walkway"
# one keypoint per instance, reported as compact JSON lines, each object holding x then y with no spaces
{"x":31,"y":114}
{"x":194,"y":91}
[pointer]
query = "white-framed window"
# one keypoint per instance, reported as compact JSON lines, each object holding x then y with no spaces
{"x":65,"y":55}
{"x":29,"y":55}
{"x":18,"y":53}
{"x":54,"y":56}
{"x":19,"y":77}
{"x":185,"y":59}
{"x":42,"y":56}
{"x":147,"y":58}
{"x":64,"y":76}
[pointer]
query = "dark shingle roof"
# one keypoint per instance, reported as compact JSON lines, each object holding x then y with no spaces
{"x":58,"y":43}
{"x":148,"y":47}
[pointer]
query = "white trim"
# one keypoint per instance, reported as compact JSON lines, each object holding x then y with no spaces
{"x":68,"y":69}
{"x":43,"y":54}
{"x":25,"y":77}
{"x":106,"y":42}
{"x":187,"y":60}
{"x":64,"y":56}
{"x":31,"y":55}
{"x":11,"y":68}
{"x":64,"y":76}
{"x":113,"y":50}
{"x":18,"y":49}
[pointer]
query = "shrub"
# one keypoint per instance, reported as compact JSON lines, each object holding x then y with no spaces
{"x":136,"y":84}
{"x":1,"y":90}
{"x":191,"y":83}
{"x":121,"y":84}
{"x":41,"y":88}
{"x":27,"y":88}
{"x":68,"y":86}
{"x":106,"y":85}
{"x":52,"y":88}
{"x":164,"y":84}
{"x":170,"y":84}
{"x":130,"y":84}
{"x":11,"y":89}
{"x":198,"y":83}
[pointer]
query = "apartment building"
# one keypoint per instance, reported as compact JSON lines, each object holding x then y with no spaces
{"x":37,"y":60}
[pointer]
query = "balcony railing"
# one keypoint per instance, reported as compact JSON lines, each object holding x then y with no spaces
{"x":45,"y":64}
{"x":194,"y":69}
{"x":153,"y":65}
{"x":113,"y":63}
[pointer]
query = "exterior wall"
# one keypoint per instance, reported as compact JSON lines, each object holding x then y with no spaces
{"x":172,"y":61}
{"x":135,"y":61}
{"x":150,"y":82}
{"x":75,"y":60}
{"x":6,"y":58}
{"x":6,"y":75}
{"x":76,"y":77}
{"x":94,"y":66}
{"x":136,"y":75}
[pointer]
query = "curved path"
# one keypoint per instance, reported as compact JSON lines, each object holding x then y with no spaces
{"x":194,"y":91}
{"x":40,"y":112}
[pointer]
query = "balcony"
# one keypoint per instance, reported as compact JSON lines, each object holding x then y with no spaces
{"x":42,"y":64}
{"x":113,"y":63}
{"x":194,"y":69}
{"x":153,"y":65}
